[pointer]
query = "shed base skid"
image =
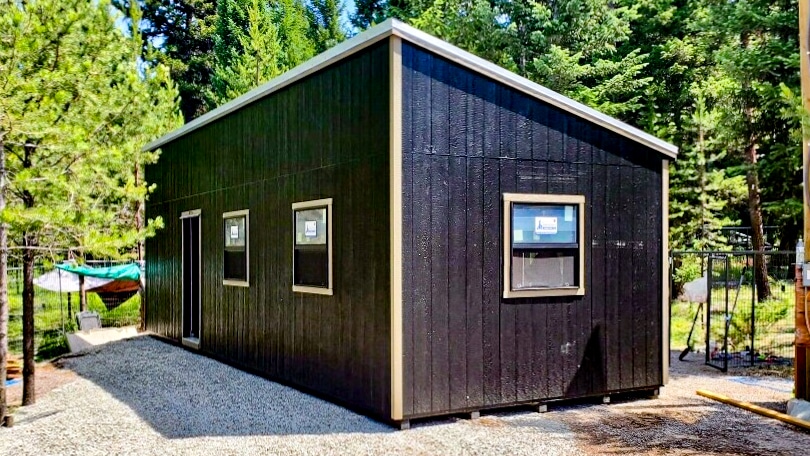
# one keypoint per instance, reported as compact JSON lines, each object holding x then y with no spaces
{"x":474,"y":415}
{"x":403,"y":425}
{"x":541,"y":408}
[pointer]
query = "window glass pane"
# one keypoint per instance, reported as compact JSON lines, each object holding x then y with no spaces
{"x":544,"y":223}
{"x":311,"y":266}
{"x":235,"y":234}
{"x":235,"y":265}
{"x":543,"y":268}
{"x":310,"y":226}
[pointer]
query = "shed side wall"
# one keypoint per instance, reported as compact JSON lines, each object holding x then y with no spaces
{"x":326,"y":136}
{"x":466,"y":141}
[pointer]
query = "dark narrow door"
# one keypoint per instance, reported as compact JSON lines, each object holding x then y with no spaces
{"x":191,"y":279}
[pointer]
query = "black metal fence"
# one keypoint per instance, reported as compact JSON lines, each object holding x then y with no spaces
{"x":55,"y":312}
{"x":715,"y":297}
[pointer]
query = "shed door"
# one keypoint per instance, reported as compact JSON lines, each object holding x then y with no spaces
{"x":191,"y":279}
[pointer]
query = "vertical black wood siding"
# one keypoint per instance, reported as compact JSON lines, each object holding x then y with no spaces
{"x":326,"y":136}
{"x":467,"y":140}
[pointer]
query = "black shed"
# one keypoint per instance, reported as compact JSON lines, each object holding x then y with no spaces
{"x":406,"y":229}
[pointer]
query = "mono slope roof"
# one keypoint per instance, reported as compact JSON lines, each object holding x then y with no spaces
{"x":439,"y":47}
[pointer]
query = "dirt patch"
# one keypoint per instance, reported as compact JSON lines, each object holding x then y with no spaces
{"x":680,"y":422}
{"x":48,"y":376}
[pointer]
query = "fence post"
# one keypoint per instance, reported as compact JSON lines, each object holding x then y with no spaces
{"x":753,"y":319}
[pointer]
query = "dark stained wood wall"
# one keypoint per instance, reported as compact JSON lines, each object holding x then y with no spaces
{"x":325,"y":136}
{"x":467,"y":140}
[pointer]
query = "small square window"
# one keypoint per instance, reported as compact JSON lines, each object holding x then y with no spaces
{"x":543,"y":245}
{"x":235,"y":266}
{"x":312,"y":247}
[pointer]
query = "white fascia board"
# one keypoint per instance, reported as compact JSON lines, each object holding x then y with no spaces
{"x":443,"y":49}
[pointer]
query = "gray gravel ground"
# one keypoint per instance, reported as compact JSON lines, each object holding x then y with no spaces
{"x":141,"y":396}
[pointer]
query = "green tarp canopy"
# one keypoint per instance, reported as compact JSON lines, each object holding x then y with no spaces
{"x":122,"y":272}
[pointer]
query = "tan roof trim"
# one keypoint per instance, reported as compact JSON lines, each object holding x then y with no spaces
{"x":442,"y":48}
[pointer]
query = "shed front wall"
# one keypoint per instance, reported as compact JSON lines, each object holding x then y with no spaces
{"x":325,"y":136}
{"x":466,"y":141}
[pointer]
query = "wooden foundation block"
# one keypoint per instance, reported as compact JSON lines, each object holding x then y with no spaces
{"x":404,"y":425}
{"x":541,"y":408}
{"x":474,"y":415}
{"x":606,"y":399}
{"x":8,"y":421}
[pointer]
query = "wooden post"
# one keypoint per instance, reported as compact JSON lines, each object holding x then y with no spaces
{"x":82,"y":295}
{"x":801,"y":367}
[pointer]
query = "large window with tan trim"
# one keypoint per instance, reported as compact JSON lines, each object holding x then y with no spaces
{"x":312,"y":246}
{"x":544,"y":252}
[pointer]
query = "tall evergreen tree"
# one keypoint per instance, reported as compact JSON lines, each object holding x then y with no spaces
{"x":76,"y":106}
{"x":702,"y":190}
{"x":248,"y":58}
{"x":754,"y":46}
{"x":326,"y":29}
{"x":182,"y":31}
{"x":256,"y":41}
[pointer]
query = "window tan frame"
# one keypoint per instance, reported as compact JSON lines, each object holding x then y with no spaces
{"x":508,"y":200}
{"x":315,"y":204}
{"x":243,"y":213}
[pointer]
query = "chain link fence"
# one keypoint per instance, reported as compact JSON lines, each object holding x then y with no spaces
{"x":55,"y":311}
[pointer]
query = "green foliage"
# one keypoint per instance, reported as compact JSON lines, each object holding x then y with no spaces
{"x":326,"y":29}
{"x":568,"y":46}
{"x":76,"y":106}
{"x":53,"y":343}
{"x":182,"y":32}
{"x":687,"y":268}
{"x":256,"y":41}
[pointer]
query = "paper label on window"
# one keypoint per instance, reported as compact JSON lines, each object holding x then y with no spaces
{"x":234,"y":232}
{"x":545,"y":225}
{"x":517,"y":236}
{"x":311,"y":228}
{"x":569,"y":214}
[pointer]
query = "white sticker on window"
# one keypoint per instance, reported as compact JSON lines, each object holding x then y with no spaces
{"x":234,"y":232}
{"x":517,"y":236}
{"x":545,"y":225}
{"x":569,"y":214}
{"x":311,"y":228}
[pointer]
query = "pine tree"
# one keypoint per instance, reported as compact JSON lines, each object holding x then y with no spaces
{"x":754,"y":45}
{"x":256,"y":41}
{"x":324,"y":17}
{"x":248,"y":57}
{"x":701,"y":191}
{"x":77,"y":105}
{"x":182,"y":32}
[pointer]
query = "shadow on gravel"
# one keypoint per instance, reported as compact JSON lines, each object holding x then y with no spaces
{"x":181,"y":394}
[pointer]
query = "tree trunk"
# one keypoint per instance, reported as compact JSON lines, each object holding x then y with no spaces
{"x":3,"y":289}
{"x":139,"y":216}
{"x":29,"y":395}
{"x":757,"y":232}
{"x":82,"y":295}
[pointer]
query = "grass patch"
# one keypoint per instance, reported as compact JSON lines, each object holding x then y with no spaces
{"x":773,"y":331}
{"x":51,"y":313}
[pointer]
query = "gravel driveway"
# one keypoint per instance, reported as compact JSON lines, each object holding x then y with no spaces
{"x":142,"y":396}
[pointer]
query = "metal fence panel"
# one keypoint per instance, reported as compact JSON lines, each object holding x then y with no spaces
{"x":736,"y":329}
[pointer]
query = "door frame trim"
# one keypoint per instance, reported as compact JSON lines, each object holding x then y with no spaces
{"x":190,"y":341}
